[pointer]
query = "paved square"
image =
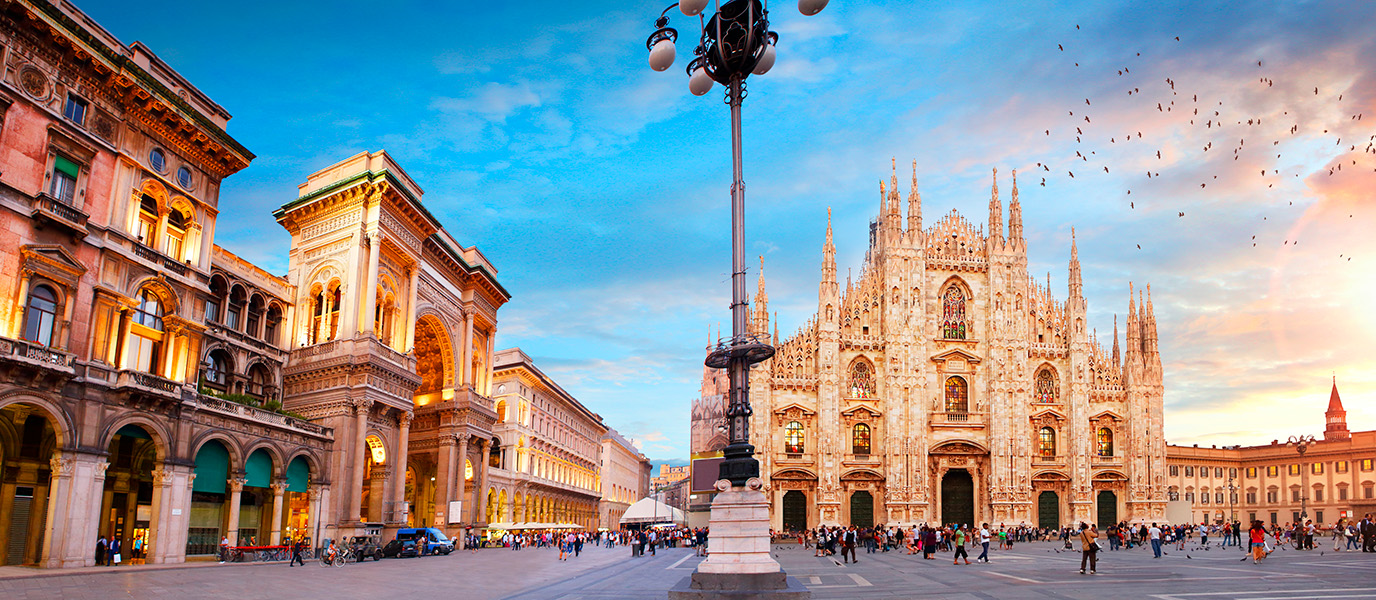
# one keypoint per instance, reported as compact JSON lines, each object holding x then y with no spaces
{"x":1034,"y":571}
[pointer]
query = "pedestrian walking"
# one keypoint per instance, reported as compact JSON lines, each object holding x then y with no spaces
{"x":1089,"y":548}
{"x":984,"y":541}
{"x":848,"y":545}
{"x":112,"y":557}
{"x":958,"y":540}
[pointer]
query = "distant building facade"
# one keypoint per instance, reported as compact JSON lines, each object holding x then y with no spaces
{"x":947,"y":386}
{"x":668,"y":475}
{"x":1335,"y":478}
{"x":625,"y":478}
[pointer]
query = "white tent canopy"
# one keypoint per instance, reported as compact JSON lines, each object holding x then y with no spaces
{"x":649,"y":510}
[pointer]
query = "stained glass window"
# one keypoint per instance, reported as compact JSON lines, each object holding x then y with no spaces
{"x":957,"y":395}
{"x":860,"y":439}
{"x":861,"y":380}
{"x":1046,"y":390}
{"x":1105,"y":442}
{"x":953,"y":314}
{"x":793,"y":437}
{"x":1046,"y":443}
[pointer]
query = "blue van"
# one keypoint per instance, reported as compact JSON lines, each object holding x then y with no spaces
{"x":434,"y":539}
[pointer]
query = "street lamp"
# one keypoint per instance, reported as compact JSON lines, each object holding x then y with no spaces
{"x":1232,"y":498}
{"x":1301,"y":444}
{"x":733,"y":44}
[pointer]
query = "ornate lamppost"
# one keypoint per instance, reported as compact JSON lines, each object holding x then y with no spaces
{"x":733,"y":44}
{"x":1301,"y":444}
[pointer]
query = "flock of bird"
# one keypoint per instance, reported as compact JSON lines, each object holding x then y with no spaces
{"x":1185,"y":115}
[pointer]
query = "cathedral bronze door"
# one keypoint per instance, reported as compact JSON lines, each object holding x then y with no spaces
{"x":795,"y":511}
{"x":958,"y":498}
{"x":862,"y":509}
{"x":1108,"y":508}
{"x":1048,"y":511}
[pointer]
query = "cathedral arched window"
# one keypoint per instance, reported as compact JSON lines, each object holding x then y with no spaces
{"x":953,"y":314}
{"x":793,"y":438}
{"x":1046,"y":389}
{"x":861,"y":380}
{"x":860,"y":439}
{"x":957,"y":395}
{"x":1104,"y":442}
{"x":1046,"y":443}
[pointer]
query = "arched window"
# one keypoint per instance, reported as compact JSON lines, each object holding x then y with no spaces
{"x":334,"y":312}
{"x":175,"y":241}
{"x":860,"y":439}
{"x":318,"y":312}
{"x":861,"y":380}
{"x":256,"y":306}
{"x":41,"y":315}
{"x":1046,"y":389}
{"x":957,"y":395}
{"x":494,"y":455}
{"x":270,"y":326}
{"x":953,"y":314}
{"x":501,"y":411}
{"x":219,"y":293}
{"x":234,"y":316}
{"x":793,"y":438}
{"x":147,"y":224}
{"x":1104,"y":442}
{"x":217,"y":369}
{"x":1046,"y":443}
{"x":258,"y":381}
{"x":145,"y":335}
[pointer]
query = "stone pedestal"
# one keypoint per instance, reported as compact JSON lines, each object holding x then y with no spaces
{"x":738,"y":565}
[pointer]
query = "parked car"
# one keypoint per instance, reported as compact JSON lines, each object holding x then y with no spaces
{"x":435,"y":541}
{"x":366,"y":546}
{"x":400,"y":548}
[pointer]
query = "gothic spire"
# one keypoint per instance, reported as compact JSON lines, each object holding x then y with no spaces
{"x":761,"y":325}
{"x":914,"y":206}
{"x":1015,"y":213}
{"x":1336,"y":429}
{"x":1116,"y":360}
{"x":829,"y":254}
{"x":995,"y":212}
{"x":1076,"y":285}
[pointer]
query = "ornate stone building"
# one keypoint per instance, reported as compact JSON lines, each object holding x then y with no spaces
{"x":625,"y":478}
{"x":1334,"y":478}
{"x":946,"y":385}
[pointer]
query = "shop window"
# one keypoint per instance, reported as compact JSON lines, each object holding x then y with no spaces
{"x":793,"y":438}
{"x":860,"y":439}
{"x":41,"y":315}
{"x":76,"y":109}
{"x":64,"y":177}
{"x":1046,"y":443}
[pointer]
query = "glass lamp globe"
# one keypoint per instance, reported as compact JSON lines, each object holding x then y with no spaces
{"x":766,"y":61}
{"x":662,"y":55}
{"x":700,"y":83}
{"x":692,"y":7}
{"x":811,"y":7}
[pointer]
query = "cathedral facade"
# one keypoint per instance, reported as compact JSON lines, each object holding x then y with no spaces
{"x":947,"y":386}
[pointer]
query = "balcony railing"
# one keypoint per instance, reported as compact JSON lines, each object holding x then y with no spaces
{"x":37,"y":353}
{"x":147,"y":381}
{"x":260,"y":415}
{"x":957,"y":419}
{"x":52,"y":209}
{"x":174,"y":266}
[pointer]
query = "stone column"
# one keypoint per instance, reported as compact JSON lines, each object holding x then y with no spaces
{"x":355,"y":507}
{"x":370,"y":294}
{"x":171,"y":508}
{"x":313,"y":502}
{"x":466,"y":369}
{"x":487,"y":375}
{"x":411,"y":308}
{"x":399,"y":482}
{"x":461,"y":483}
{"x":482,"y":458}
{"x":348,"y":313}
{"x":74,"y":490}
{"x":236,"y":490}
{"x":17,"y":331}
{"x":278,"y":488}
{"x":443,"y":479}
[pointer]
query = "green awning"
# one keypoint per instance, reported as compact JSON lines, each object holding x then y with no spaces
{"x":65,"y":166}
{"x":258,"y":469}
{"x":298,"y":475}
{"x":212,"y":468}
{"x":133,"y":431}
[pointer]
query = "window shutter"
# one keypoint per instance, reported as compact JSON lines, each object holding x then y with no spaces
{"x":62,"y":165}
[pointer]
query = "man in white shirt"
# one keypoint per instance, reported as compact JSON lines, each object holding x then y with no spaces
{"x":984,"y":540}
{"x":1155,"y":533}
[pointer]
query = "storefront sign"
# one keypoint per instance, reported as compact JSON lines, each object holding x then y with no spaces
{"x":456,"y":511}
{"x":144,"y":512}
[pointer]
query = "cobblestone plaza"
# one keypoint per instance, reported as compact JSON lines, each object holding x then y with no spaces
{"x":1033,"y":570}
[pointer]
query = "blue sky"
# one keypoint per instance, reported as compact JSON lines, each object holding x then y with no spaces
{"x":599,"y":188}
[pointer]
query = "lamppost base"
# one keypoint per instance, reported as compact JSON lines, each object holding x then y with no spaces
{"x":739,"y":565}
